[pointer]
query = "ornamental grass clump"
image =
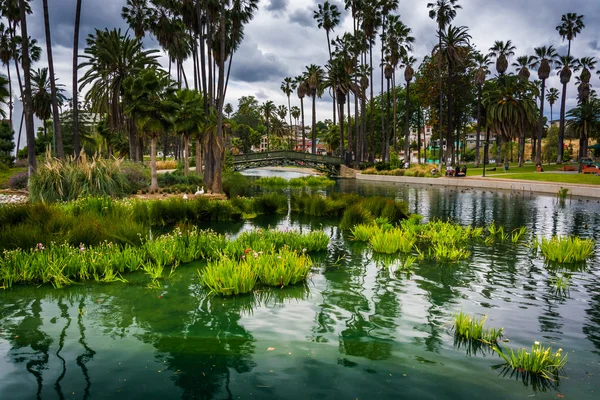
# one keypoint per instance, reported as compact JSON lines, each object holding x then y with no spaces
{"x":540,"y":360}
{"x":470,"y":328}
{"x":566,"y":250}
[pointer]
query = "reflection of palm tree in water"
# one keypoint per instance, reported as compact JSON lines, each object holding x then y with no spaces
{"x":64,"y":313}
{"x":89,"y":353}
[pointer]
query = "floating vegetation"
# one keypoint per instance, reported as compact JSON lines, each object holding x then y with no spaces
{"x":364,"y":232}
{"x":518,"y":233}
{"x":392,"y":241}
{"x":271,"y":181}
{"x":311,"y":181}
{"x":540,"y":360}
{"x":470,"y":328}
{"x":562,"y":194}
{"x":561,"y":284}
{"x":61,"y":265}
{"x":566,"y":249}
{"x":447,"y":253}
{"x":228,"y":276}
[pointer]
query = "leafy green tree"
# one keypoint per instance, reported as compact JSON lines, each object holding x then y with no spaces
{"x":7,"y":144}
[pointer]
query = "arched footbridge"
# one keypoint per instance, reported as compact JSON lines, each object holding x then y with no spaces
{"x":327,"y":164}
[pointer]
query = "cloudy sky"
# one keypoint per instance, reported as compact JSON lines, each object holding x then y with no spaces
{"x":283,"y":38}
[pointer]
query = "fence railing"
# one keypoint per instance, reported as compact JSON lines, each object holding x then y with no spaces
{"x":289,"y":155}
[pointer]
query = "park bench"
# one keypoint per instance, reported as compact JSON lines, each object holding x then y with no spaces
{"x":568,"y":168}
{"x":590,"y":170}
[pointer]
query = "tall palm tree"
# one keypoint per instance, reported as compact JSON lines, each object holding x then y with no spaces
{"x":543,"y":59}
{"x":409,"y":73}
{"x":228,"y":109}
{"x":328,"y":17}
{"x":570,"y":26}
{"x":552,"y":96}
{"x":455,"y":48}
{"x":522,"y":64}
{"x":287,"y":87}
{"x":296,"y":112}
{"x":315,"y":75}
{"x":27,"y":105}
{"x":482,"y":63}
{"x":587,"y":64}
{"x":137,"y":15}
{"x":6,"y":55}
{"x":268,"y":113}
{"x":42,"y":96}
{"x":565,"y":66}
{"x":502,"y":51}
{"x":443,"y":12}
{"x":385,"y":8}
{"x":60,"y":153}
{"x":302,"y":90}
{"x":76,"y":145}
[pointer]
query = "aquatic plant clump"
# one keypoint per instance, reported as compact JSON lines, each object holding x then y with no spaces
{"x":392,"y":241}
{"x":567,"y":250}
{"x":468,"y":328}
{"x":229,"y":277}
{"x":539,"y":360}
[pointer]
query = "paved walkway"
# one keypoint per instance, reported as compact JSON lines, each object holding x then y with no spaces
{"x":491,"y":183}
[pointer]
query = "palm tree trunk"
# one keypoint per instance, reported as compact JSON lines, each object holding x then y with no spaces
{"x":440,"y":87}
{"x":333,"y":94}
{"x":314,"y":121}
{"x":76,"y":144}
{"x":27,"y":106}
{"x":341,"y":122}
{"x":290,"y":114}
{"x":371,"y":117}
{"x":186,"y":155}
{"x":356,"y":131}
{"x":60,"y":153}
{"x":154,"y":183}
{"x":561,"y":131}
{"x":538,"y":150}
{"x":219,"y":147}
{"x":349,"y":150}
{"x":394,"y":136}
{"x":477,"y":144}
{"x":406,"y":126}
{"x":10,"y":100}
{"x":449,"y":131}
{"x":198,"y":156}
{"x":385,"y":133}
{"x":303,"y":133}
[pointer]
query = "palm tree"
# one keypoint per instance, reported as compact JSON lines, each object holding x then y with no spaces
{"x":287,"y":87}
{"x":60,"y":153}
{"x":188,"y":116}
{"x":228,"y":109}
{"x":565,"y":66}
{"x":302,"y":90}
{"x":328,"y":17}
{"x":295,"y":111}
{"x":75,"y":89}
{"x":315,"y":75}
{"x":552,"y":96}
{"x":6,"y":55}
{"x":482,"y":63}
{"x":111,"y":58}
{"x":510,"y":107}
{"x":268,"y":112}
{"x":443,"y":12}
{"x":455,"y":47}
{"x":137,"y":15}
{"x":501,"y":51}
{"x":583,"y":119}
{"x":522,"y":64}
{"x":150,"y":103}
{"x":543,"y":59}
{"x":587,"y":64}
{"x":42,"y":97}
{"x":27,"y":105}
{"x":570,"y":26}
{"x":409,"y":73}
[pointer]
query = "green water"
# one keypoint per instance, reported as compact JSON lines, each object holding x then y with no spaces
{"x":356,"y":330}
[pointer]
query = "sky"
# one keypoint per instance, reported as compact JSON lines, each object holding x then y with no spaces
{"x":283,"y":39}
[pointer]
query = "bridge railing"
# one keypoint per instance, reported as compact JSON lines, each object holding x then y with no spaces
{"x":290,"y":155}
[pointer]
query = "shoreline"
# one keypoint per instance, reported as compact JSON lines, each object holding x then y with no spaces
{"x":514,"y":185}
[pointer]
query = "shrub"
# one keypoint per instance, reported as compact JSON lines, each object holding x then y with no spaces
{"x":271,"y":181}
{"x":18,"y":181}
{"x":168,"y":164}
{"x":136,"y":175}
{"x":235,"y":184}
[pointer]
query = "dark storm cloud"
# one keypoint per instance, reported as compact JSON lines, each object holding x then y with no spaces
{"x":95,"y":14}
{"x":250,"y":64}
{"x":277,"y":6}
{"x":303,"y":17}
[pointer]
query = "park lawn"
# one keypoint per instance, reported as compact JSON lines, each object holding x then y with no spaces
{"x":513,"y":169}
{"x":5,"y":175}
{"x":587,"y":179}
